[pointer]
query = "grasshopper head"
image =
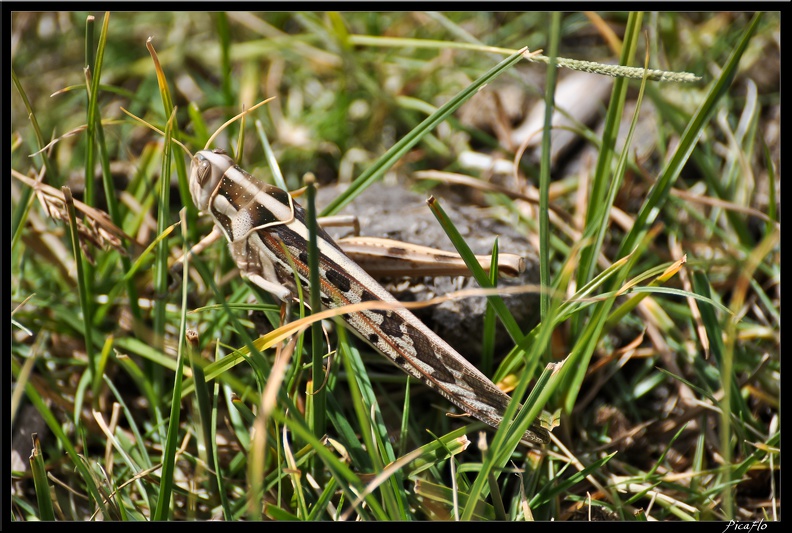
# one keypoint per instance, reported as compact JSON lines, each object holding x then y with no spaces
{"x":206,"y":171}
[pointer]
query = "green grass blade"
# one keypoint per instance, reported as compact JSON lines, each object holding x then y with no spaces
{"x":205,"y":421}
{"x":40,"y":482}
{"x":545,"y":165}
{"x":54,"y":426}
{"x":508,"y":435}
{"x":446,"y":497}
{"x":161,"y":269}
{"x":488,"y":336}
{"x":652,"y":207}
{"x":597,"y":212}
{"x":224,"y":33}
{"x":373,"y":431}
{"x":51,"y":169}
{"x":272,"y":163}
{"x":317,"y":339}
{"x":378,"y":169}
{"x":82,"y":285}
{"x":326,"y":497}
{"x":552,"y":490}
{"x":94,"y":71}
{"x":111,"y":195}
{"x":337,"y":467}
{"x":479,"y":274}
{"x":592,"y":332}
{"x":181,"y":171}
{"x":163,"y":508}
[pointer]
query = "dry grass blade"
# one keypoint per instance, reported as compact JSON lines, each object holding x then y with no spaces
{"x":97,"y":228}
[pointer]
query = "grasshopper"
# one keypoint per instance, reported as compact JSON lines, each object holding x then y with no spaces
{"x":268,"y":238}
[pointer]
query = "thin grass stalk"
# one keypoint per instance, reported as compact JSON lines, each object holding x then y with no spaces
{"x":319,"y":509}
{"x":47,"y":163}
{"x":20,"y":214}
{"x":82,"y":285}
{"x":545,"y":165}
{"x":595,"y":216}
{"x":104,"y":357}
{"x":167,"y":481}
{"x":250,"y":347}
{"x":488,"y":337}
{"x":615,"y":71}
{"x":362,"y":397}
{"x":603,"y":209}
{"x":23,"y":375}
{"x":201,"y":132}
{"x":744,"y":142}
{"x":728,"y":363}
{"x":218,"y":473}
{"x":269,"y":155}
{"x":93,"y":72}
{"x":137,"y":437}
{"x":240,"y":143}
{"x":497,"y":498}
{"x":204,"y":409}
{"x":111,"y":196}
{"x":554,"y":490}
{"x":404,"y":430}
{"x":317,"y":341}
{"x":446,"y":496}
{"x":293,"y":472}
{"x":161,"y":268}
{"x":277,"y":476}
{"x":509,"y":435}
{"x":257,"y":451}
{"x":346,"y":435}
{"x":640,"y":293}
{"x":438,"y":450}
{"x":392,"y":490}
{"x":277,"y":513}
{"x":181,"y":171}
{"x":18,"y":219}
{"x":224,"y":33}
{"x":123,"y":447}
{"x":772,"y":212}
{"x":163,"y":198}
{"x":90,"y":55}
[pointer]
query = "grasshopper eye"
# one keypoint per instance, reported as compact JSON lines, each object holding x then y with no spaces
{"x":203,"y":172}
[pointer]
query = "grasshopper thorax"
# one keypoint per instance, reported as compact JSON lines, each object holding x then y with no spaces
{"x":238,"y":201}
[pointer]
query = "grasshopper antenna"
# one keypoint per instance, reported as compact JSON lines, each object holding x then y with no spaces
{"x":234,"y":119}
{"x":154,"y":128}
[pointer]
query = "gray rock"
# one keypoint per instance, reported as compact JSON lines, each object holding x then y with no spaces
{"x":397,"y":213}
